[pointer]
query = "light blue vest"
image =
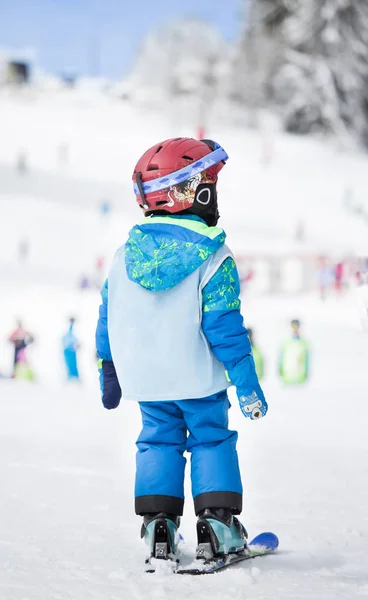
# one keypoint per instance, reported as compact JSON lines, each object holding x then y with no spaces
{"x":157,"y":344}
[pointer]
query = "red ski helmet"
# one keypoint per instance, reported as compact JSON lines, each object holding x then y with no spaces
{"x":179,"y":174}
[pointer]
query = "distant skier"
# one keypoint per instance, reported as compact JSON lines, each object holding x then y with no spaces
{"x":300,"y":230}
{"x":22,"y":369}
{"x":20,"y":338}
{"x":339,"y":277}
{"x":105,"y":208}
{"x":294,"y":357}
{"x":84,"y":282}
{"x":100,"y":268}
{"x":63,"y":154}
{"x":325,"y":280}
{"x":70,"y":348}
{"x":23,"y":250}
{"x":257,"y":355}
{"x":22,"y":162}
{"x":169,"y":326}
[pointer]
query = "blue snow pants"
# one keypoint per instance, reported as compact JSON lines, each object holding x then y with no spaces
{"x":196,"y":426}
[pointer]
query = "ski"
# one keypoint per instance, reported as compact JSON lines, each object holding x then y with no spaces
{"x":262,"y":545}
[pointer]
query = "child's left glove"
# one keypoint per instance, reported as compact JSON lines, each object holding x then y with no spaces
{"x":109,"y":384}
{"x":250,"y":395}
{"x":254,"y":405}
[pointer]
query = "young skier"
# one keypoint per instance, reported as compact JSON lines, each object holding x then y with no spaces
{"x":170,"y":335}
{"x":70,"y":350}
{"x":294,"y":357}
{"x":20,"y":338}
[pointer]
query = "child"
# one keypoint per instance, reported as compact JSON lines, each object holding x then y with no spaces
{"x":70,"y":350}
{"x":294,"y":358}
{"x":20,"y":338}
{"x":171,"y":336}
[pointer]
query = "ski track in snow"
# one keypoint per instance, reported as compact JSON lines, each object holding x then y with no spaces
{"x":67,"y":523}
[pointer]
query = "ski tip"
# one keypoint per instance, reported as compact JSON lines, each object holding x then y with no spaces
{"x":266,"y":539}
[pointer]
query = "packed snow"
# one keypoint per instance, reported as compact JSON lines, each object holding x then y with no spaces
{"x":68,"y":529}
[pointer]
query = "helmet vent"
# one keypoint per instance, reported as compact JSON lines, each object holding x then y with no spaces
{"x":187,"y":157}
{"x":152,"y":168}
{"x":158,"y":149}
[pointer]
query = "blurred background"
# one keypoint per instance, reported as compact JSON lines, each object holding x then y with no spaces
{"x":86,"y":87}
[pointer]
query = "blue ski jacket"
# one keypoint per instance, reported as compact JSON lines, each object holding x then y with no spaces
{"x":160,"y":254}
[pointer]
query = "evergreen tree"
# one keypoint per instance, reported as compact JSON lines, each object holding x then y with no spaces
{"x":181,"y":59}
{"x":309,"y":59}
{"x":323,"y":82}
{"x":260,"y":51}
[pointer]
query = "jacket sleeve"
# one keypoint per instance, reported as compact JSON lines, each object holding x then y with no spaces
{"x":222,"y":324}
{"x":109,"y":384}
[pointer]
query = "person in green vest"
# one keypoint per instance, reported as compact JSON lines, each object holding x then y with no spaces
{"x":257,"y":355}
{"x":294,"y":358}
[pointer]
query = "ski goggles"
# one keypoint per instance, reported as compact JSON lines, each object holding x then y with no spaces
{"x":217,"y":155}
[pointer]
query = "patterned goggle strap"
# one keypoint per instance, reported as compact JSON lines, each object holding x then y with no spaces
{"x":139,"y":186}
{"x":218,"y":155}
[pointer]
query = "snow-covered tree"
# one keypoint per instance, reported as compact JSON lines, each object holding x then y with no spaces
{"x":261,"y":50}
{"x":323,"y":83}
{"x":182,"y":59}
{"x":310,"y":59}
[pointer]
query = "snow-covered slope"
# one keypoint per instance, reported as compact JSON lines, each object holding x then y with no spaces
{"x":270,"y":183}
{"x":67,"y":525}
{"x":67,"y":470}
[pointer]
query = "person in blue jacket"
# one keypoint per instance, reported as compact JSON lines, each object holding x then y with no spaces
{"x":70,"y":349}
{"x":170,"y":336}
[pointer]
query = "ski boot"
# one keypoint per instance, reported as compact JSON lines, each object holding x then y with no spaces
{"x":160,"y":531}
{"x":219,"y":534}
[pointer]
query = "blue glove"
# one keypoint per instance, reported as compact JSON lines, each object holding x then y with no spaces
{"x":109,"y":384}
{"x":250,"y":395}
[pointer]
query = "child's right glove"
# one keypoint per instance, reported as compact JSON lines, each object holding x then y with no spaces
{"x":251,"y":398}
